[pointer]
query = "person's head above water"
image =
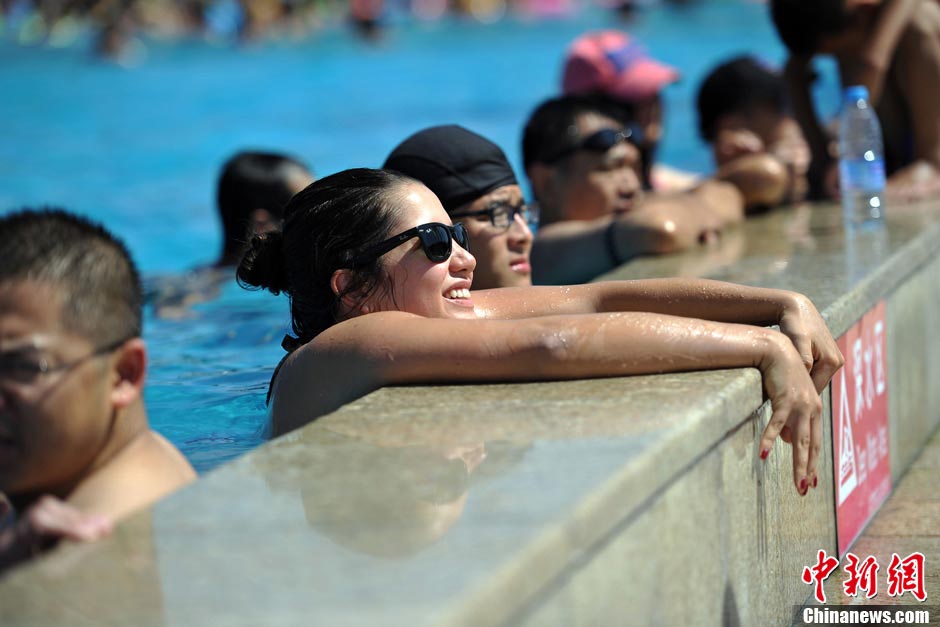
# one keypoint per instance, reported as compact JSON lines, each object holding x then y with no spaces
{"x":72,"y":363}
{"x":613,"y":64}
{"x":252,"y":190}
{"x":807,"y":27}
{"x":744,"y":109}
{"x":96,"y":282}
{"x":581,"y":159}
{"x":362,"y":241}
{"x":476,"y":185}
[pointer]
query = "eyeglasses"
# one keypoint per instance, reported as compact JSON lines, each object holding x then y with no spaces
{"x":600,"y":141}
{"x":502,"y":214}
{"x":436,"y":240}
{"x":22,"y":371}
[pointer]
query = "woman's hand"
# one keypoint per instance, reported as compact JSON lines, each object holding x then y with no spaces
{"x":805,"y":327}
{"x":796,"y":410}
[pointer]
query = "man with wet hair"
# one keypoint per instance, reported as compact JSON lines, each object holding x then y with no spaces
{"x":582,"y":161}
{"x":76,"y":450}
{"x":744,"y":115}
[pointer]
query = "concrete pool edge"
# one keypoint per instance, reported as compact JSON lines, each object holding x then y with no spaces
{"x":739,"y":515}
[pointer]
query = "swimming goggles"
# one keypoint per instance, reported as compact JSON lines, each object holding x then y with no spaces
{"x":502,"y":214}
{"x":600,"y":141}
{"x":436,"y":240}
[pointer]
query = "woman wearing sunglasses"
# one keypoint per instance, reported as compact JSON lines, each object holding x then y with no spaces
{"x":379,"y":282}
{"x":472,"y":178}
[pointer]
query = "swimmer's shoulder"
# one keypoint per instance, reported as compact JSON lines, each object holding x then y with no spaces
{"x":148,"y":469}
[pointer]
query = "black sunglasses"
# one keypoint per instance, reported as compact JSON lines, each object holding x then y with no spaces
{"x":502,"y":214}
{"x":436,"y":240}
{"x":600,"y":141}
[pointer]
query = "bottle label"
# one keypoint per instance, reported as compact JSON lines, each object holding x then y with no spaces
{"x":862,"y":174}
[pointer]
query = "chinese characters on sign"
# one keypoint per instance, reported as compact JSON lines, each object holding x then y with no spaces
{"x":902,"y":575}
{"x":860,"y":426}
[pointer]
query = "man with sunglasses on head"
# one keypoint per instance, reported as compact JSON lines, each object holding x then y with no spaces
{"x":582,"y":160}
{"x":76,"y":451}
{"x":475,"y":183}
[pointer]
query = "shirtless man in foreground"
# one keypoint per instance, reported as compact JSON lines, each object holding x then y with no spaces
{"x":76,"y":451}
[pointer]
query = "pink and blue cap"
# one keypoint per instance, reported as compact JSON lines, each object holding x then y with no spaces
{"x":612,"y":63}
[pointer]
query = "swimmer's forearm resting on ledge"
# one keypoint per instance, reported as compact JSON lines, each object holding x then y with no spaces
{"x":694,"y":298}
{"x":564,"y":340}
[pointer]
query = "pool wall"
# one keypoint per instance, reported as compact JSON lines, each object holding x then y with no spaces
{"x":624,"y":501}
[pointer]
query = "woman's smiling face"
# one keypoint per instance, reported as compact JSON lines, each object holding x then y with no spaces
{"x":415,"y":283}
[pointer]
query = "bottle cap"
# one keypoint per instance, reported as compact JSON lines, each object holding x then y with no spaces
{"x":856,"y":92}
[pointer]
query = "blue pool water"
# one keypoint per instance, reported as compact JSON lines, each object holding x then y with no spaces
{"x":139,"y":150}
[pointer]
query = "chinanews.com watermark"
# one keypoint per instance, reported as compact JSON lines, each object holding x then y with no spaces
{"x":868,"y":615}
{"x":902,"y":576}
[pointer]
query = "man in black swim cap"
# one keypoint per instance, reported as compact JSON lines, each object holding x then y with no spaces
{"x":476,"y":185}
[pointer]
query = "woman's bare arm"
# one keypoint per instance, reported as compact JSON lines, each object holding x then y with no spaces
{"x":387,"y":348}
{"x":694,"y":298}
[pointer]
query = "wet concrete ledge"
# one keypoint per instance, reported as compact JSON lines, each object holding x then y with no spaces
{"x":623,"y":501}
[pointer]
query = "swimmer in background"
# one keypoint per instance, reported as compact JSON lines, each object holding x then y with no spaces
{"x":76,"y":451}
{"x":379,"y":283}
{"x":744,"y":115}
{"x":613,"y":64}
{"x":892,"y":47}
{"x":582,"y":162}
{"x":472,"y":178}
{"x":252,"y":190}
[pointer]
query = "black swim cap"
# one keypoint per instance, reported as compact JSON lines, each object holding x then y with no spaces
{"x":457,"y":165}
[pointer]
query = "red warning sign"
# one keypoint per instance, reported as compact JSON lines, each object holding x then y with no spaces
{"x":860,"y":426}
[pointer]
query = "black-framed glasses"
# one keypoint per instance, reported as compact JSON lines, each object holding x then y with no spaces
{"x":436,"y":241}
{"x":24,"y":371}
{"x":502,"y":214}
{"x":600,"y":141}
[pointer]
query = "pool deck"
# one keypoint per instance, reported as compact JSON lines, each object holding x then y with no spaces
{"x":636,"y":500}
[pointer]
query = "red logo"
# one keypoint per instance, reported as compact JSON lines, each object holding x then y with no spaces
{"x":819,"y":573}
{"x":907,"y":575}
{"x":903,"y":575}
{"x":864,"y":576}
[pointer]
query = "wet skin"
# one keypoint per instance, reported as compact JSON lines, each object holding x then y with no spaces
{"x":53,"y":428}
{"x":417,"y":284}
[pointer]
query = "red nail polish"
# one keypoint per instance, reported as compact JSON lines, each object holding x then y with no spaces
{"x":803,"y":486}
{"x":815,"y":481}
{"x":764,"y":453}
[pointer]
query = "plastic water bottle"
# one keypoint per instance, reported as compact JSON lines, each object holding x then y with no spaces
{"x":861,"y":159}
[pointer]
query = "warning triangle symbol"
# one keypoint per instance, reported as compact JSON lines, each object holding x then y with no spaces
{"x":848,"y":477}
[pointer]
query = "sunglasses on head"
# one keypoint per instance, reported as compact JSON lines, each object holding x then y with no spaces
{"x":600,"y":141}
{"x":436,"y":241}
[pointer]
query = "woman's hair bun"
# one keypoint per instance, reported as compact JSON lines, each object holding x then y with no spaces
{"x":262,"y":266}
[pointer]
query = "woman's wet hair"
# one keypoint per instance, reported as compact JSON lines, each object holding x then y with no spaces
{"x":250,"y":181}
{"x":323,"y":225}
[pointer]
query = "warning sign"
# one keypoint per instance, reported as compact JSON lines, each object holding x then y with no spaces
{"x":860,"y":426}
